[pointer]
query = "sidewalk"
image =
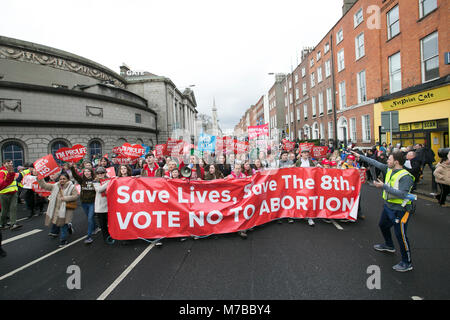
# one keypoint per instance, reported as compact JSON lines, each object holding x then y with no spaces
{"x":424,"y":186}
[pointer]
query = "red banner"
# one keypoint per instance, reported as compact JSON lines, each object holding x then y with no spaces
{"x":74,"y":154}
{"x":257,"y":131}
{"x":46,"y":166}
{"x":153,"y":208}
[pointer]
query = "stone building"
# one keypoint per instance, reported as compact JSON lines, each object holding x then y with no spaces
{"x":50,"y":99}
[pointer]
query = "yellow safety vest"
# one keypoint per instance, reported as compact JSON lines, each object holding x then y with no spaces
{"x":393,"y":182}
{"x":12,"y":187}
{"x":23,"y":173}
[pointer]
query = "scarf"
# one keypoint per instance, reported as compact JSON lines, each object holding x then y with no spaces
{"x":53,"y":198}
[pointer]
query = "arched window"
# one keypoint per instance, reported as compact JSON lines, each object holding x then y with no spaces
{"x":55,"y":146}
{"x":315,"y":131}
{"x":13,"y":151}
{"x":95,"y":147}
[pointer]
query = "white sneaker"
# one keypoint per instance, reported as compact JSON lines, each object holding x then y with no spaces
{"x":97,"y":230}
{"x":311,"y":222}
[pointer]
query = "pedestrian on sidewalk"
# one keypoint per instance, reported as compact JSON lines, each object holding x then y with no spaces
{"x":59,"y":214}
{"x":396,"y":209}
{"x":442,"y":175}
{"x":87,"y":198}
{"x":8,"y":198}
{"x":5,"y":182}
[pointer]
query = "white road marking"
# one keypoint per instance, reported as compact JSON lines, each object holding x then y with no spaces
{"x":337,"y":225}
{"x":20,"y":236}
{"x":40,"y":259}
{"x":108,"y":291}
{"x":416,"y":298}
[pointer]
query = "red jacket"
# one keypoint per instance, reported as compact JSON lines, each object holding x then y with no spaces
{"x":151,"y":172}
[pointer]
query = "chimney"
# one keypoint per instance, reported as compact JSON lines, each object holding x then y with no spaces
{"x":347,"y":5}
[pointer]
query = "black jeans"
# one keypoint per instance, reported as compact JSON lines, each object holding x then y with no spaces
{"x":445,"y":190}
{"x":103,"y":221}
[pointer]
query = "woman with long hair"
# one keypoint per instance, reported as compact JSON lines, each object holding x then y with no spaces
{"x":87,"y":198}
{"x":59,"y":215}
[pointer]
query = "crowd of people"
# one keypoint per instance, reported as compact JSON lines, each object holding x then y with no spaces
{"x":88,"y":182}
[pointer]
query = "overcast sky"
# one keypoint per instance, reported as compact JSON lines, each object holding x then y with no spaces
{"x":225,"y":48}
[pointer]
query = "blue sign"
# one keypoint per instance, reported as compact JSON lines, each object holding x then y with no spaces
{"x":206,"y":143}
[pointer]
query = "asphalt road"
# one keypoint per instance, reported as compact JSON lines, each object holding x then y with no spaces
{"x":276,"y":262}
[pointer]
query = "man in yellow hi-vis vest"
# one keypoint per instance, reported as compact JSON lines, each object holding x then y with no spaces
{"x":397,"y":207}
{"x":8,"y":198}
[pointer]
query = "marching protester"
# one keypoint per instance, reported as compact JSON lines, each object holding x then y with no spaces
{"x":212,"y":173}
{"x":396,"y":210}
{"x":5,"y":181}
{"x":284,"y":161}
{"x":87,"y":198}
{"x":237,"y":174}
{"x":442,"y":175}
{"x":8,"y":199}
{"x":305,"y":162}
{"x":150,"y":166}
{"x":101,"y":202}
{"x":248,"y":170}
{"x":62,"y":203}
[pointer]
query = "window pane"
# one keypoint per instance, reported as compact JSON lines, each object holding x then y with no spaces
{"x":430,"y":46}
{"x":432,"y":69}
{"x":428,"y":6}
{"x":13,"y":151}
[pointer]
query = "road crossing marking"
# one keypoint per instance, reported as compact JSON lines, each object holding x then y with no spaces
{"x":20,"y":236}
{"x":108,"y":291}
{"x":40,"y":259}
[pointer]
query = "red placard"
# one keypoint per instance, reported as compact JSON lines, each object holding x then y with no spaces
{"x":160,"y":150}
{"x":130,"y":151}
{"x":74,"y":154}
{"x":39,"y":190}
{"x":319,"y":151}
{"x":156,"y":208}
{"x":111,"y":172}
{"x":258,"y":131}
{"x":46,"y":166}
{"x":288,"y":145}
{"x":305,"y":146}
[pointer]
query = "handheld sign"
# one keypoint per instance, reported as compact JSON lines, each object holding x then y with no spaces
{"x":74,"y":154}
{"x":46,"y":166}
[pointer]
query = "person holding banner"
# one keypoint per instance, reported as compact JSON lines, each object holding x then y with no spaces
{"x":150,"y":166}
{"x":397,"y":206}
{"x":306,"y":162}
{"x":87,"y":198}
{"x":212,"y":173}
{"x":101,"y":203}
{"x":59,"y":214}
{"x":8,"y":198}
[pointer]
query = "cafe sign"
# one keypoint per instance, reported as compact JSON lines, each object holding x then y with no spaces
{"x":417,"y":99}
